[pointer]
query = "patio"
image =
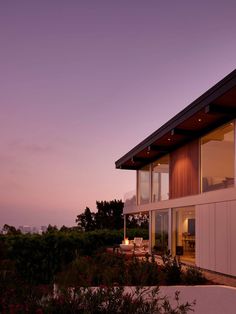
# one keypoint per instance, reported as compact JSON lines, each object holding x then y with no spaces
{"x":136,"y":247}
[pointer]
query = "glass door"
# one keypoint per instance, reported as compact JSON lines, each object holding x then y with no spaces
{"x":161,"y":231}
{"x":183,"y":230}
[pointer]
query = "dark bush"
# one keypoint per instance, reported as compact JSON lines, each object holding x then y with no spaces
{"x":172,"y":269}
{"x":142,"y":272}
{"x":39,"y":257}
{"x":107,"y":269}
{"x":104,"y":300}
{"x":193,"y":276}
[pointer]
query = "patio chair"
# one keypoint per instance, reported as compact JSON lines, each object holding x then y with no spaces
{"x":138,"y":242}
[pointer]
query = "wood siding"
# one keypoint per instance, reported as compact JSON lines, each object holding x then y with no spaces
{"x":184,"y":170}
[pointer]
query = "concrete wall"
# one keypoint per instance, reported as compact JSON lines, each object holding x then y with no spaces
{"x":216,"y":236}
{"x":209,"y":299}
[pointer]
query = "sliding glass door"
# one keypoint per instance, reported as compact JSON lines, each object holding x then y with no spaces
{"x":183,"y":230}
{"x":161,"y":231}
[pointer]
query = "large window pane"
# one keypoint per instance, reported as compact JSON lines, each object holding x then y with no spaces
{"x":144,"y":185}
{"x":217,"y":158}
{"x":183,"y":225}
{"x":160,"y":179}
{"x":160,"y":231}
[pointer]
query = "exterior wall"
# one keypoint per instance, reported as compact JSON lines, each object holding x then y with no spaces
{"x":184,"y":170}
{"x":216,"y":236}
{"x":215,"y":214}
{"x":215,"y":210}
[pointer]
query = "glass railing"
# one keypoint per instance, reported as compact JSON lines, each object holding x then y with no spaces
{"x":130,"y":200}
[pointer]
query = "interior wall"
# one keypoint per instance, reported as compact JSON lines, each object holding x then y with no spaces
{"x":216,"y":237}
{"x":219,"y":167}
{"x":184,"y":170}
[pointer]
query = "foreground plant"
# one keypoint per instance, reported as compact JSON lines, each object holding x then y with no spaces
{"x":104,"y":300}
{"x":108,"y":269}
{"x":115,"y":300}
{"x":172,"y":268}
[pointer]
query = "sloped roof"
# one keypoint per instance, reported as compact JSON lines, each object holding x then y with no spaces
{"x":214,"y":108}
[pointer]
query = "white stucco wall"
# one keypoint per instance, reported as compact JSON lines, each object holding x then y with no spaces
{"x":216,"y":236}
{"x":215,"y":227}
{"x":209,"y":299}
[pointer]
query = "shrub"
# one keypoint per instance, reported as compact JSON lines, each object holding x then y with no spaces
{"x":38,"y":258}
{"x":109,"y":269}
{"x":90,"y":301}
{"x":193,"y":276}
{"x":172,"y":268}
{"x":115,"y":300}
{"x":142,"y":272}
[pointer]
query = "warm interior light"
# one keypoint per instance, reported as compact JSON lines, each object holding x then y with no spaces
{"x":168,"y":139}
{"x":199,"y":120}
{"x":126,"y":241}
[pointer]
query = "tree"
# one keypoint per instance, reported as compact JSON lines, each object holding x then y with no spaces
{"x":110,"y":214}
{"x":140,"y":220}
{"x":86,"y":221}
{"x":51,"y":229}
{"x":7,"y":229}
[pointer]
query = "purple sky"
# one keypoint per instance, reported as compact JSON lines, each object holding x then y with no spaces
{"x":82,"y":82}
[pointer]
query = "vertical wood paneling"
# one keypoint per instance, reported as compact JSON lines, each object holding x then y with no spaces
{"x":184,"y":170}
{"x":221,"y":237}
{"x":216,"y":237}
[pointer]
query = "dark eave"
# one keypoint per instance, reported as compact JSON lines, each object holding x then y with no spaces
{"x":214,"y":108}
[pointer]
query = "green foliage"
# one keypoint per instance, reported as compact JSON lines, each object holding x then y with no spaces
{"x":193,"y":276}
{"x":7,"y":229}
{"x":104,"y":300}
{"x":143,"y":272}
{"x":100,"y":269}
{"x":109,"y":215}
{"x":140,"y":220}
{"x":87,"y":220}
{"x":172,"y":268}
{"x":51,"y":229}
{"x":3,"y":247}
{"x":108,"y":269}
{"x":137,"y":232}
{"x":38,"y":258}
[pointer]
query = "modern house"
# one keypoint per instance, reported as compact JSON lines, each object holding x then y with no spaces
{"x":186,"y":181}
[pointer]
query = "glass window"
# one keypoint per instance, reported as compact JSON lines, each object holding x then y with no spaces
{"x":160,"y":231}
{"x":160,"y":179}
{"x":183,"y":225}
{"x":217,"y":158}
{"x":144,"y":185}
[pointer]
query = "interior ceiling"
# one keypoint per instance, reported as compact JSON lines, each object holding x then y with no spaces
{"x":215,"y":113}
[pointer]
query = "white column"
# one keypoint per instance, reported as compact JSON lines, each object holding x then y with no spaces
{"x":150,"y":183}
{"x":124,"y":226}
{"x":170,"y":229}
{"x":150,"y":232}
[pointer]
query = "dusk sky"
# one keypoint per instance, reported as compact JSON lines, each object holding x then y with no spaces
{"x":82,"y":82}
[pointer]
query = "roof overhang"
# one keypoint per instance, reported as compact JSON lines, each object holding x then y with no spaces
{"x":212,"y":109}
